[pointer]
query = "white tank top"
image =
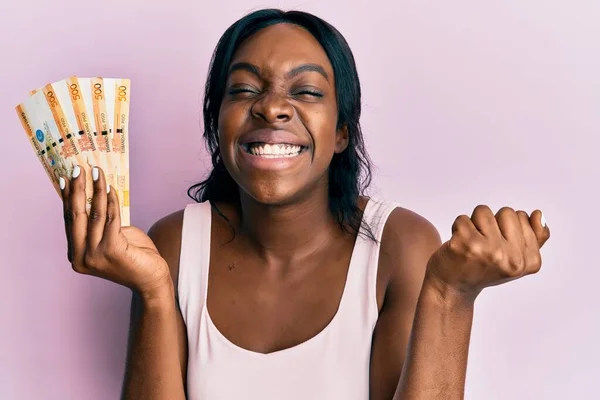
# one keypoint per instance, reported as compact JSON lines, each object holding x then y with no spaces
{"x":334,"y":364}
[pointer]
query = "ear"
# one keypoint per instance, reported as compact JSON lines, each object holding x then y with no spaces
{"x":341,"y":139}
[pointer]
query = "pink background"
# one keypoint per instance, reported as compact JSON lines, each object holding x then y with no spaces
{"x":465,"y":102}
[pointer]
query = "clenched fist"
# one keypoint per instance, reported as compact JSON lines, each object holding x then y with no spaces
{"x":487,"y":250}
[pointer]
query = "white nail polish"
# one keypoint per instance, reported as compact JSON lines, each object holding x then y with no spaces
{"x":95,"y":174}
{"x":543,"y":220}
{"x":76,"y":171}
{"x":108,"y":189}
{"x":62,"y":183}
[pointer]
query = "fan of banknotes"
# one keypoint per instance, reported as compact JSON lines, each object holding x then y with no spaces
{"x":84,"y":122}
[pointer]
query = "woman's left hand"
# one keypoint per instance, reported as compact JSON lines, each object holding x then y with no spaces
{"x":487,"y":250}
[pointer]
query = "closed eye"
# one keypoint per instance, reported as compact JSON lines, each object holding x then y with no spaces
{"x":241,"y":89}
{"x":309,"y":92}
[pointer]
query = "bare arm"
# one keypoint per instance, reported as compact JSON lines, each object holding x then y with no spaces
{"x":157,"y":357}
{"x":436,"y":363}
{"x":99,"y":246}
{"x":153,"y":367}
{"x":432,"y":364}
{"x":407,"y":243}
{"x":485,"y":250}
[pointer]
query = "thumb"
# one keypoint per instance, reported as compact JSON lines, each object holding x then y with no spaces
{"x":537,"y":221}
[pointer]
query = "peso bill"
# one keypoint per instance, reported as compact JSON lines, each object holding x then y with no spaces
{"x":103,"y":97}
{"x":60,"y":112}
{"x":40,"y":127}
{"x":85,"y":122}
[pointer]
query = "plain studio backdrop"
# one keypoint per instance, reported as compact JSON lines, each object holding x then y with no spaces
{"x":465,"y":103}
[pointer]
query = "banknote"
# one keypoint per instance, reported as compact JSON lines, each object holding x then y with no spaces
{"x":38,"y":121}
{"x":84,"y":122}
{"x":37,"y":138}
{"x":120,"y":143}
{"x":103,"y":97}
{"x":101,"y":141}
{"x":104,"y":130}
{"x":68,"y":135}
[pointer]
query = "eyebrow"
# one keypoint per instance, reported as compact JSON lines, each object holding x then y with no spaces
{"x":253,"y":69}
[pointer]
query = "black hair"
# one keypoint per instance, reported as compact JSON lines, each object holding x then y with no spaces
{"x":349,"y":171}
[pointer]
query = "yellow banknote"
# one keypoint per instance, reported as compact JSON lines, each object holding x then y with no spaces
{"x":44,"y":136}
{"x":104,"y":97}
{"x":68,"y":136}
{"x":84,"y":122}
{"x":120,"y":140}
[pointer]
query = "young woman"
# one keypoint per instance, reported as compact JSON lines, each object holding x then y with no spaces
{"x":283,"y":281}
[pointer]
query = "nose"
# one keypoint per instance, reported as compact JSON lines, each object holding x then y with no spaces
{"x":272,"y":108}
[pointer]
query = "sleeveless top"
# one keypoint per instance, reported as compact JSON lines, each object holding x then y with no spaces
{"x":334,"y":364}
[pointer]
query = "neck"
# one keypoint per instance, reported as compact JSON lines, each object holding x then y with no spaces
{"x":283,"y":233}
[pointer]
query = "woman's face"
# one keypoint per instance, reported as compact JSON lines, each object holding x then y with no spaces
{"x":278,"y":118}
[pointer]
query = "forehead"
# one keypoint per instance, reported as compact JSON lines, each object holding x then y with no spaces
{"x":281,"y":47}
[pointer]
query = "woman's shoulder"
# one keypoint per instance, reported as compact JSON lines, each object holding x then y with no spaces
{"x":406,"y":228}
{"x":168,"y":229}
{"x":407,"y":242}
{"x":169,"y":225}
{"x":166,"y":235}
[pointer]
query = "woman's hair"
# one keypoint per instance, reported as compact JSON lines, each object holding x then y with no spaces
{"x":349,"y":171}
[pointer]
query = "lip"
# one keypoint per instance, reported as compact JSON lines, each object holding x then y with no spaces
{"x":272,"y":136}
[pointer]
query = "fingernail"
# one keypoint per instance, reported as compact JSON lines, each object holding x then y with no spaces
{"x":543,"y":220}
{"x":108,"y":189}
{"x":76,"y":171}
{"x":95,"y":174}
{"x":62,"y":183}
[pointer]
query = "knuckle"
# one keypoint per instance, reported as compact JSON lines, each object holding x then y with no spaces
{"x":535,"y":262}
{"x":506,"y":210}
{"x":516,"y":264}
{"x":497,"y":257}
{"x":91,"y":260}
{"x":482,"y":208}
{"x":522,"y":214}
{"x":77,"y":267}
{"x":110,"y":217}
{"x":474,"y":249}
{"x":95,"y":215}
{"x":460,"y":221}
{"x":455,"y":246}
{"x":462,"y":218}
{"x":69,"y":216}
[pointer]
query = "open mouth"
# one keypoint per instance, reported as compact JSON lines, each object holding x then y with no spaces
{"x":278,"y":150}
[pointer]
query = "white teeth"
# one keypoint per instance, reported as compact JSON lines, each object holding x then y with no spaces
{"x":274,"y":150}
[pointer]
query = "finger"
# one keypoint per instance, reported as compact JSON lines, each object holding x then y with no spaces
{"x":484,"y":220}
{"x":531,"y":250}
{"x":509,"y":225}
{"x":112,"y":228}
{"x":463,"y":227}
{"x":541,"y":230}
{"x":76,"y":216}
{"x":64,"y":191}
{"x":97,"y":218}
{"x":530,"y":240}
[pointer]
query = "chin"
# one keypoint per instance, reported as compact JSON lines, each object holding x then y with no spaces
{"x":270,"y":192}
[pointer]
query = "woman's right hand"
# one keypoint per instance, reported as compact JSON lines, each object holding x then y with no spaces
{"x":98,"y":246}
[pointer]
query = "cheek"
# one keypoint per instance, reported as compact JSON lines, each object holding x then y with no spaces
{"x":322,"y":126}
{"x":231,"y":118}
